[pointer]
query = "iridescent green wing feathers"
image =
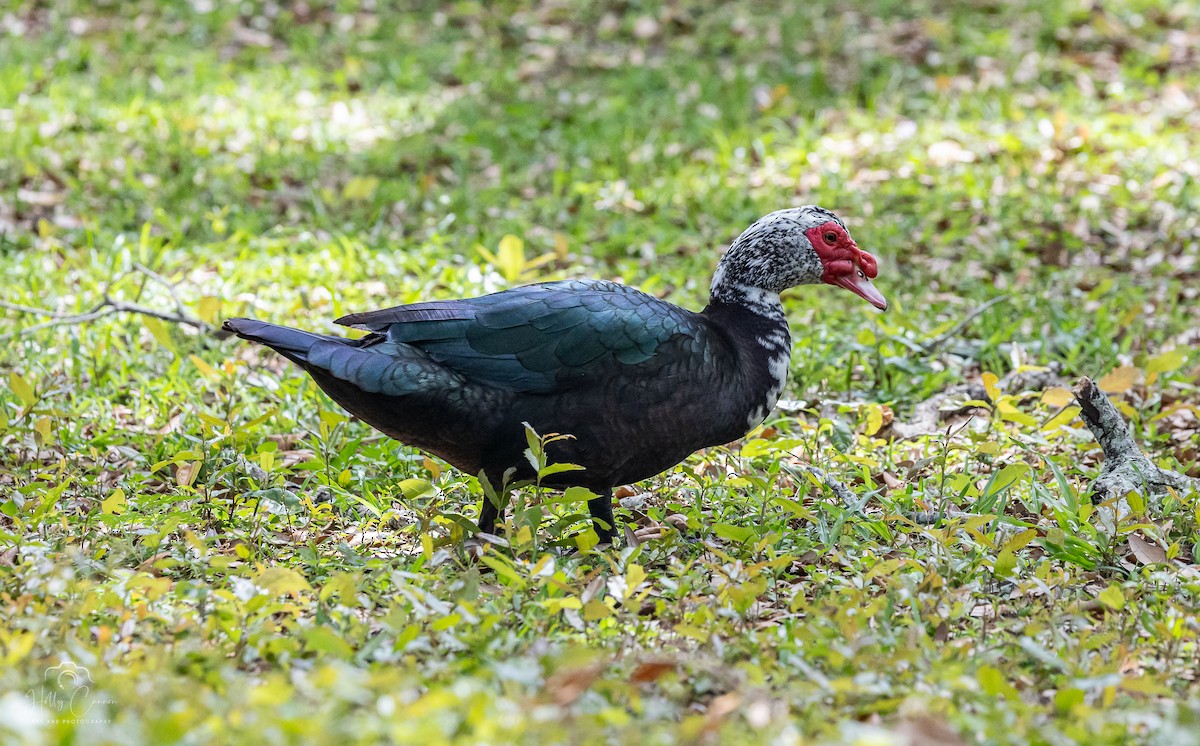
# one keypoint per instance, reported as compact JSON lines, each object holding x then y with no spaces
{"x":536,"y":339}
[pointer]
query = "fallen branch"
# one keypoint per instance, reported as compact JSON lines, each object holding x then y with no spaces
{"x":843,"y":493}
{"x":932,"y":345}
{"x":107,"y":307}
{"x":1126,"y":469}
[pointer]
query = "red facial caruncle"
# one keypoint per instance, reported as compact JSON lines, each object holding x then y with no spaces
{"x":846,"y":265}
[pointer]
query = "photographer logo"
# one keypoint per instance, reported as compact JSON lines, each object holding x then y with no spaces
{"x":67,"y":693}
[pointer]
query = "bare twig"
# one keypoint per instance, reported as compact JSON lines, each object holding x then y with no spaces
{"x":38,"y":311}
{"x":106,"y":307}
{"x":80,"y":318}
{"x":932,"y":345}
{"x":167,"y":285}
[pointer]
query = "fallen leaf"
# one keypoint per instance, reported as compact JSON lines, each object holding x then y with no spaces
{"x":567,"y":686}
{"x":990,"y":382}
{"x":1146,"y":552}
{"x":651,"y":670}
{"x":929,"y":730}
{"x":1057,"y":397}
{"x":1119,"y":380}
{"x":721,"y":708}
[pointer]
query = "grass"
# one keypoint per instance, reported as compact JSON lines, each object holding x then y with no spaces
{"x":214,"y":553}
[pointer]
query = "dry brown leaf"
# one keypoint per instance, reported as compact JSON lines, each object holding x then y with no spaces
{"x":678,"y":520}
{"x":721,"y":708}
{"x":184,"y":472}
{"x":890,"y":480}
{"x":1146,"y":552}
{"x":929,"y":730}
{"x":651,"y":670}
{"x":147,"y":565}
{"x":567,"y":686}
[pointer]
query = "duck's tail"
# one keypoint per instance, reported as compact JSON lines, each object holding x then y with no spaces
{"x":294,"y":344}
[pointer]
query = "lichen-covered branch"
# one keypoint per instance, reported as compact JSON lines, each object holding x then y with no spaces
{"x":1126,"y":469}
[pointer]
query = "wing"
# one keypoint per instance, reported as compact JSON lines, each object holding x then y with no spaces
{"x":542,"y":338}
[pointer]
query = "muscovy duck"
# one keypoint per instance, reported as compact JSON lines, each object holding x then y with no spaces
{"x":637,"y":382}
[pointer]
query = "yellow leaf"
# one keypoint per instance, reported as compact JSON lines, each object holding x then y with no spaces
{"x":634,"y":576}
{"x":510,"y":257}
{"x":1007,"y":476}
{"x":989,"y":385}
{"x":992,"y":681}
{"x":504,"y":570}
{"x":44,"y":429}
{"x":17,"y":647}
{"x":1166,"y":362}
{"x":1137,"y":503}
{"x":1060,"y":122}
{"x":414,"y":488}
{"x":1057,"y":397}
{"x":282,"y":581}
{"x":1112,"y":597}
{"x":1021,"y":540}
{"x":1119,"y":380}
{"x":360,"y":187}
{"x":205,"y":369}
{"x":1009,"y":413}
{"x":114,"y":504}
{"x":22,"y":389}
{"x":208,"y":308}
{"x":432,"y":467}
{"x":1060,"y":419}
{"x":595,"y":610}
{"x":874,"y":419}
{"x":159,"y":331}
{"x":554,"y":605}
{"x":586,"y":540}
{"x":1124,"y":408}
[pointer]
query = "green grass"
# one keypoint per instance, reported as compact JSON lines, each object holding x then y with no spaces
{"x":232,"y":560}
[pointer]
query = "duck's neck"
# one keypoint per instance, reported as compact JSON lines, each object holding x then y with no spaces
{"x":762,"y":302}
{"x":758,"y":329}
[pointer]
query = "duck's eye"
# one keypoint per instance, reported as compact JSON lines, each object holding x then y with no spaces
{"x":830,"y":237}
{"x":861,"y":275}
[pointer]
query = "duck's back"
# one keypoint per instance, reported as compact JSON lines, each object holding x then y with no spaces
{"x":621,"y":371}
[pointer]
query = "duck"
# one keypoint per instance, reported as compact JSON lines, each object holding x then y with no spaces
{"x":635,"y":384}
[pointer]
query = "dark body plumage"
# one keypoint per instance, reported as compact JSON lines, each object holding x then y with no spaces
{"x":638,"y":383}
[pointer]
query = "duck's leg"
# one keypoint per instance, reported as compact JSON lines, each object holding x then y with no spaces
{"x":602,"y":517}
{"x":488,"y":515}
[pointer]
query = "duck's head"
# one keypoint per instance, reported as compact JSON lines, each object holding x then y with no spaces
{"x":798,"y":246}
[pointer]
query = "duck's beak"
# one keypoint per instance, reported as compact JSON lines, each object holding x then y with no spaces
{"x":861,"y":285}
